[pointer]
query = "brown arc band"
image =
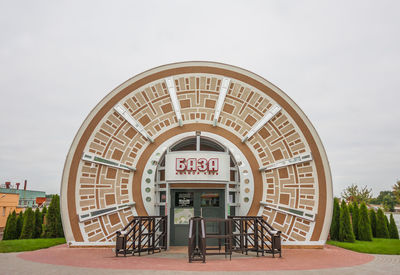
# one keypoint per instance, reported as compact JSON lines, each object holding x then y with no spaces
{"x":71,"y":200}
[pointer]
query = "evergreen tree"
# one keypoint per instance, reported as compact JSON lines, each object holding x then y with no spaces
{"x":37,"y":224}
{"x":355,"y":219}
{"x":386,"y":221}
{"x":44,"y":211}
{"x":350,"y":206}
{"x":53,"y":219}
{"x":393,"y":232}
{"x":28,"y":226}
{"x":334,"y":232}
{"x":5,"y":231}
{"x":364,"y":224}
{"x":20,"y":222}
{"x":381,"y":228}
{"x":372,"y":218}
{"x":346,"y":233}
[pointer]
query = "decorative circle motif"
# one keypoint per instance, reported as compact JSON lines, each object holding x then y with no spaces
{"x":245,"y":172}
{"x":148,"y":199}
{"x":148,"y":189}
{"x":148,"y":180}
{"x":246,"y":181}
{"x":149,"y":171}
{"x":246,"y":199}
{"x":247,"y":190}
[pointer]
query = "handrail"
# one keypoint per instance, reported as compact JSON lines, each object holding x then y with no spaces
{"x":142,"y":233}
{"x":253,"y":233}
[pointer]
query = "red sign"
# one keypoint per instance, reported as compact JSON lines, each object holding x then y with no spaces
{"x":197,"y":166}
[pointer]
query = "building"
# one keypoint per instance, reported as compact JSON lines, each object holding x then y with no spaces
{"x":196,"y":138}
{"x":27,"y":198}
{"x":8,"y":204}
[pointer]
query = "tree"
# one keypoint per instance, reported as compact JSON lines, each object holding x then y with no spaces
{"x":379,"y":198}
{"x":350,"y":206}
{"x":393,"y":232}
{"x":27,"y":227}
{"x":5,"y":234}
{"x":372,"y":218}
{"x":346,"y":233}
{"x":381,"y":227}
{"x":354,"y":193}
{"x":364,"y":224}
{"x":53,"y":219}
{"x":334,"y":232}
{"x":20,"y":222}
{"x":11,"y":226}
{"x":355,"y":219}
{"x":396,"y":191}
{"x":37,"y":224}
{"x":389,"y":202}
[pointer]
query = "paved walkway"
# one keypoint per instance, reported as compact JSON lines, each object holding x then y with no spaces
{"x":62,"y":260}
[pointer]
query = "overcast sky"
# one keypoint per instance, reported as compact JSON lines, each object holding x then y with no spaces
{"x":338,"y":60}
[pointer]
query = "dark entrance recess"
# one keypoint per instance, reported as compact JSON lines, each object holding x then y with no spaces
{"x":185,"y":204}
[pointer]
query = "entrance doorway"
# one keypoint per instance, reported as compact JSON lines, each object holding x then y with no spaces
{"x":187,"y":203}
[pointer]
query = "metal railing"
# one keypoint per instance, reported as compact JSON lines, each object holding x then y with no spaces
{"x":143,"y":234}
{"x":197,"y":240}
{"x":198,"y":248}
{"x":253,"y":233}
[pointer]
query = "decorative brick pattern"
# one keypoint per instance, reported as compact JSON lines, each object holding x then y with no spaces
{"x":294,"y":186}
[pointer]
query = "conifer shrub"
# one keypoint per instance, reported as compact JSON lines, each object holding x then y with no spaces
{"x":11,"y":227}
{"x":5,"y":234}
{"x":393,"y":232}
{"x":20,"y":222}
{"x":37,"y":224}
{"x":346,"y":233}
{"x":334,"y":232}
{"x":381,"y":227}
{"x":355,"y":219}
{"x":28,"y":225}
{"x":372,"y":218}
{"x":53,"y":219}
{"x":364,"y":224}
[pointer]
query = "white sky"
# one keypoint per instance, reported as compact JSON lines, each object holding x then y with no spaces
{"x":338,"y":60}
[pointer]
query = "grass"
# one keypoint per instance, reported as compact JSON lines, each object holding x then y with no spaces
{"x":28,"y":244}
{"x":377,"y":246}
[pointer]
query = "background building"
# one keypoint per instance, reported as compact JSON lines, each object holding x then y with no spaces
{"x":8,"y":203}
{"x":27,"y":198}
{"x":196,"y":138}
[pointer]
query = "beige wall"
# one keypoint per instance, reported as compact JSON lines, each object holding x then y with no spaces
{"x":8,"y":203}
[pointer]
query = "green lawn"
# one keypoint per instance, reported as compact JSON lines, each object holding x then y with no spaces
{"x":377,"y":246}
{"x":28,"y":244}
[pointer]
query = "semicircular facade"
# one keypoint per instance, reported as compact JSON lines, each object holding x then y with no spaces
{"x":116,"y":166}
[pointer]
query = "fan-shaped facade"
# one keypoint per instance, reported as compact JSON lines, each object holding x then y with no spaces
{"x":190,"y":137}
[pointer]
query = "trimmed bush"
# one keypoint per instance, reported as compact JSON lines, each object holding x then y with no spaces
{"x":27,"y":228}
{"x":20,"y":223}
{"x":37,"y":224}
{"x":11,"y":227}
{"x":393,"y":232}
{"x":364,"y":224}
{"x":334,"y":232}
{"x":381,"y":228}
{"x":53,"y":219}
{"x":372,"y":218}
{"x":5,"y":234}
{"x":355,"y":219}
{"x":346,"y":233}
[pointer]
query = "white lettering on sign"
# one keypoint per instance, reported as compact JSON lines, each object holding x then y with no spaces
{"x":196,"y":166}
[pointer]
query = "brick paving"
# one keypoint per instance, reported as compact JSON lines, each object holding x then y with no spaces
{"x":63,"y":260}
